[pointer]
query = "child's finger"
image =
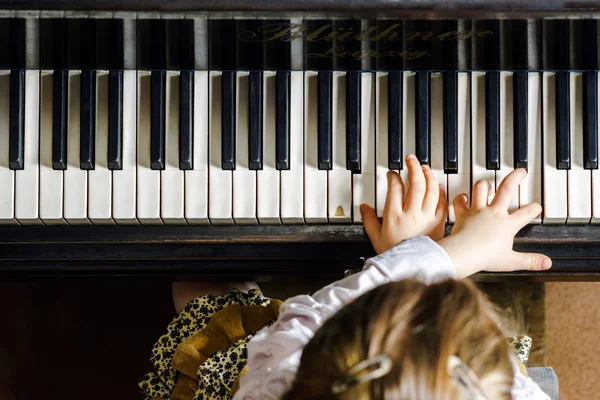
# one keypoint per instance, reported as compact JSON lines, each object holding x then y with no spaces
{"x":432,"y":191}
{"x":507,"y":188}
{"x":416,"y":184}
{"x":460,"y":204}
{"x":394,"y":200}
{"x":370,"y":222}
{"x":481,"y":191}
{"x":525,"y":215}
{"x":442,"y":205}
{"x":529,"y":261}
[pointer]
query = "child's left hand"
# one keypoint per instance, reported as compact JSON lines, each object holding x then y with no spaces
{"x":422,"y":212}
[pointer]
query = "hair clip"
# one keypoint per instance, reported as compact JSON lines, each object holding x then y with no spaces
{"x":382,"y":364}
{"x":464,"y":376}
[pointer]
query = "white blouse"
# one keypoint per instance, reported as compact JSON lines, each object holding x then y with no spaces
{"x":274,"y":352}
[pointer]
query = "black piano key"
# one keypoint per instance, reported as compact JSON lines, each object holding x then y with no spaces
{"x":353,"y":121}
{"x":157,"y":119}
{"x":255,"y":144}
{"x":492,"y":120}
{"x":60,"y":86}
{"x":16,"y":141}
{"x":282,"y":116}
{"x":88,"y":44}
{"x":228,"y":89}
{"x":324,"y":120}
{"x":590,"y":120}
{"x":186,"y":120}
{"x":116,"y":59}
{"x":60,"y":43}
{"x":563,"y":140}
{"x":17,"y":43}
{"x":115,"y":120}
{"x":450,"y":122}
{"x":422,"y":122}
{"x":395,"y":120}
{"x":87,"y":139}
{"x":520,"y":119}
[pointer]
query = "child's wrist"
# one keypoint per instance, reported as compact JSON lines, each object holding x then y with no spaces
{"x":463,"y":265}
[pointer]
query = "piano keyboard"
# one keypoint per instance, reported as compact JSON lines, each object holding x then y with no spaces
{"x":160,"y":124}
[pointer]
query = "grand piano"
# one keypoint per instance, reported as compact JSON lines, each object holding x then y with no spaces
{"x":236,"y":140}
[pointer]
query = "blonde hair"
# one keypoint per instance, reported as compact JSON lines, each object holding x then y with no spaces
{"x":419,"y":327}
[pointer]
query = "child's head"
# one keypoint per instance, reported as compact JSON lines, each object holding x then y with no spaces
{"x":419,"y":327}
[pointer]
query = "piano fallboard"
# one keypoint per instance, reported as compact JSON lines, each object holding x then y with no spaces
{"x":250,"y":252}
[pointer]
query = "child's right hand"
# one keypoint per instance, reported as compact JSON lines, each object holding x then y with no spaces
{"x":482,"y":236}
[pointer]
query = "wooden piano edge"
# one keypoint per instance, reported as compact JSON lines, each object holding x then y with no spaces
{"x":249,"y":252}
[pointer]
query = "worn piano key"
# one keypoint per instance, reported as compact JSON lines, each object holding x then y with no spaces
{"x":520,"y":115}
{"x":507,"y":134}
{"x":196,"y":179}
{"x":87,"y":142}
{"x":315,"y":179}
{"x":563,"y":143}
{"x":450,"y":123}
{"x":7,"y":175}
{"x":394,"y":115}
{"x":186,"y":121}
{"x":436,"y":135}
{"x":324,"y":119}
{"x":60,"y":87}
{"x":363,"y":184}
{"x":17,"y":119}
{"x":292,"y":180}
{"x":268,"y":180}
{"x":27,"y":179}
{"x":555,"y":179}
{"x":382,"y":138}
{"x":590,"y":120}
{"x":282,"y":116}
{"x":100,"y":178}
{"x":492,"y":121}
{"x":422,"y":117}
{"x":479,"y":168}
{"x":228,"y":120}
{"x":124,"y":188}
{"x":339,"y":178}
{"x":255,"y":135}
{"x":172,"y":178}
{"x":115,"y":120}
{"x":157,"y":119}
{"x":409,"y":134}
{"x":352,"y":121}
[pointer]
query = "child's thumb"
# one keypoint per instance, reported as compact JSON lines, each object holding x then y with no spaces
{"x":530,"y":261}
{"x":370,"y":222}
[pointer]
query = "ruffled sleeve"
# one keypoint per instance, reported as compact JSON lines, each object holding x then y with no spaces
{"x":524,"y":388}
{"x":274,"y":352}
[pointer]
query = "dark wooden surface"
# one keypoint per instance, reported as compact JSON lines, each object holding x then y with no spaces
{"x":248,"y":252}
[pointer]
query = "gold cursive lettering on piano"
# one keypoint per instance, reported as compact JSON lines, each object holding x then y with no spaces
{"x":287,"y":32}
{"x":340,"y":52}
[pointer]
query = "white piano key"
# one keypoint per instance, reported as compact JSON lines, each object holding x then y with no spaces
{"x":244,"y":179}
{"x":555,"y":180}
{"x":27,"y":179}
{"x":267,"y":179}
{"x":220,"y":182}
{"x":461,"y":182}
{"x":200,"y":42}
{"x":506,"y":135}
{"x":292,"y":180}
{"x":579,"y":180}
{"x":315,"y":180}
{"x":196,"y":180}
{"x":129,"y":43}
{"x":7,"y":176}
{"x":148,"y":180}
{"x":297,"y":47}
{"x":100,"y":178}
{"x":75,"y":196}
{"x":124,"y":180}
{"x":409,"y":131}
{"x":363,"y":184}
{"x":531,"y":187}
{"x":51,"y":181}
{"x":478,"y":169}
{"x":172,"y":178}
{"x":596,"y":177}
{"x":437,"y":128}
{"x":339,"y":178}
{"x":381,"y":139}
